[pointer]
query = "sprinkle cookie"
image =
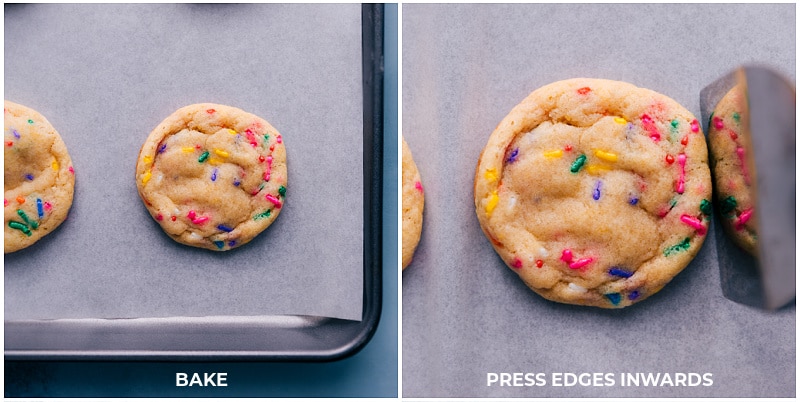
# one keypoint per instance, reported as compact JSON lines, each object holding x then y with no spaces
{"x":595,"y":192}
{"x":39,"y":180}
{"x":413,"y":204}
{"x":213,"y":176}
{"x":731,"y":178}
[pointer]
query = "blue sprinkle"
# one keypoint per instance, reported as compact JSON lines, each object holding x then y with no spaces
{"x":214,"y":175}
{"x":231,"y":243}
{"x":224,"y":228}
{"x":633,"y":295}
{"x":633,"y":201}
{"x":162,"y":148}
{"x":236,"y":182}
{"x":596,"y":192}
{"x":39,"y":207}
{"x":513,"y":157}
{"x":29,"y":176}
{"x":614,"y":298}
{"x":219,"y":243}
{"x":620,"y":272}
{"x":16,"y":134}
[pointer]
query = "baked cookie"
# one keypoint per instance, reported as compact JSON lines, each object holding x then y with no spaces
{"x":213,"y":176}
{"x":413,"y":204}
{"x":732,"y":180}
{"x":39,"y":180}
{"x":595,"y":192}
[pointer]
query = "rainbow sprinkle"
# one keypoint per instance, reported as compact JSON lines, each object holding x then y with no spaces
{"x":219,"y":243}
{"x":578,"y":164}
{"x":262,"y":215}
{"x":682,"y":246}
{"x":282,"y":190}
{"x":695,"y":126}
{"x":33,"y":224}
{"x":39,"y":208}
{"x":614,"y":298}
{"x":271,"y":198}
{"x":728,"y":204}
{"x":596,"y":191}
{"x":596,"y":170}
{"x":581,"y":263}
{"x":620,"y":120}
{"x":633,"y":295}
{"x":566,"y":255}
{"x":705,"y":207}
{"x":620,"y":272}
{"x":203,"y":157}
{"x":633,"y":200}
{"x":679,"y":186}
{"x":553,"y":154}
{"x":513,"y":157}
{"x":606,"y":156}
{"x":743,"y":218}
{"x":695,"y":223}
{"x":224,"y":228}
{"x":19,"y":226}
{"x":492,"y":203}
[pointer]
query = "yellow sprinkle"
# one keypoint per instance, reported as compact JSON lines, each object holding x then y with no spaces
{"x":146,"y":177}
{"x":596,"y":169}
{"x":148,"y":159}
{"x":620,"y":120}
{"x":214,"y":161}
{"x":554,"y":154}
{"x":491,"y":174}
{"x":606,"y":156}
{"x":231,"y":131}
{"x":55,"y":165}
{"x":221,"y":153}
{"x":492,"y":203}
{"x":187,"y":149}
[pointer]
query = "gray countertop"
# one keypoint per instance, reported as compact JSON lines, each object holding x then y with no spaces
{"x":465,"y":314}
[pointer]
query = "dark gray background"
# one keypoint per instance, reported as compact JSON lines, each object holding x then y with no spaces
{"x":464,"y":313}
{"x":106,"y":75}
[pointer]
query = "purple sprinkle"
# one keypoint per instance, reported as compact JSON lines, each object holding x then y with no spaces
{"x":231,"y":243}
{"x":29,"y":176}
{"x":513,"y":157}
{"x":224,"y":228}
{"x":214,"y":175}
{"x":162,"y":148}
{"x":634,"y":200}
{"x":596,"y":192}
{"x":16,"y":134}
{"x":633,"y":295}
{"x":236,"y":182}
{"x":620,"y":272}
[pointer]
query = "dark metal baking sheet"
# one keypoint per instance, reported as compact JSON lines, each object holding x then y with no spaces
{"x":275,"y":337}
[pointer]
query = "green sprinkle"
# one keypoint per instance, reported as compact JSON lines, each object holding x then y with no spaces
{"x":672,"y":203}
{"x":282,"y":191}
{"x":262,"y":215}
{"x":736,"y":116}
{"x":614,"y":298}
{"x":705,"y":207}
{"x":710,"y":118}
{"x":33,"y":224}
{"x":30,"y":121}
{"x":203,"y":157}
{"x":728,"y":204}
{"x":682,"y":246}
{"x":219,"y":243}
{"x":673,"y":131}
{"x":19,"y":226}
{"x":266,"y":137}
{"x":675,"y":123}
{"x":578,"y":164}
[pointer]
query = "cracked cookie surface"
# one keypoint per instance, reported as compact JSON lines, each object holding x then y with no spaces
{"x":39,"y":179}
{"x":213,"y":176}
{"x":595,"y":192}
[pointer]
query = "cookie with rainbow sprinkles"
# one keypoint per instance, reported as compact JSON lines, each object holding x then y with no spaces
{"x":732,"y":179}
{"x":39,"y":180}
{"x":213,"y":176}
{"x":595,"y":192}
{"x":413,"y":205}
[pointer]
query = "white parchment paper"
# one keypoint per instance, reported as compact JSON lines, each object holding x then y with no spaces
{"x":106,"y":75}
{"x":465,"y":314}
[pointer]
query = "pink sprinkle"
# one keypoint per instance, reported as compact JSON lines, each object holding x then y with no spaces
{"x":695,"y":126}
{"x":271,"y":198}
{"x":581,"y":263}
{"x":5,"y":202}
{"x":48,"y":206}
{"x":159,"y":217}
{"x":648,"y":124}
{"x":740,"y":153}
{"x":718,"y":123}
{"x":418,"y":186}
{"x":191,"y":215}
{"x":679,"y":187}
{"x":278,"y":139}
{"x":71,"y":170}
{"x":695,"y":223}
{"x":200,"y":220}
{"x":743,"y":218}
{"x":210,"y":111}
{"x":566,"y":255}
{"x":517,"y":263}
